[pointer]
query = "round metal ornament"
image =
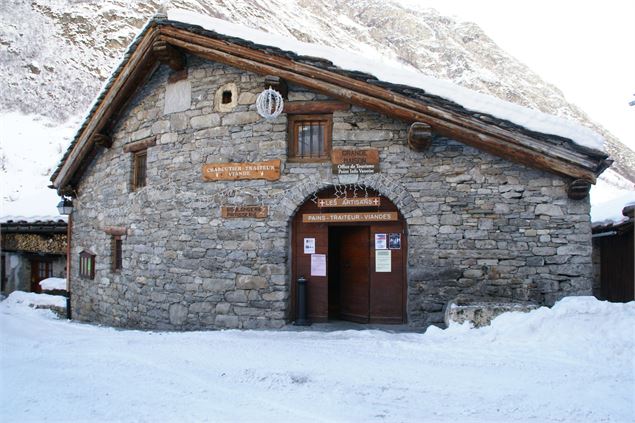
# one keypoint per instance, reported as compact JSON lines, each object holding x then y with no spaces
{"x":269,"y":103}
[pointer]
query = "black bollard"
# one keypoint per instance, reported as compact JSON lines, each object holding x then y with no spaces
{"x":301,"y":319}
{"x":68,"y":306}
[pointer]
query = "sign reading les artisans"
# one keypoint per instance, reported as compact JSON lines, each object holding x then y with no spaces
{"x":269,"y":170}
{"x":349,"y":202}
{"x":355,"y":162}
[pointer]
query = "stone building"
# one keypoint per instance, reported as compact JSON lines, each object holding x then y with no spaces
{"x":192,"y":211}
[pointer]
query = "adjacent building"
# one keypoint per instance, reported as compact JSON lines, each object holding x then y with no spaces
{"x":33,"y":249}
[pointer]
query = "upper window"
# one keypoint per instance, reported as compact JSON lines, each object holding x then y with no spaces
{"x":310,"y":137}
{"x":139,"y":160}
{"x":87,"y":265}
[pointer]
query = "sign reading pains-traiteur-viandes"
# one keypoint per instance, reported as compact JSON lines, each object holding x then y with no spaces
{"x":269,"y":170}
{"x":349,"y":217}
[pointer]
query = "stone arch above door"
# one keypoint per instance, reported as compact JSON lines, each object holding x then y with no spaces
{"x":387,"y":186}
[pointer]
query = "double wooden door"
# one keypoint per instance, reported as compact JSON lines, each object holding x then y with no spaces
{"x":352,"y":285}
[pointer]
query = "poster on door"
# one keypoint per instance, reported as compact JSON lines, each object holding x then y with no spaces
{"x":309,"y":245}
{"x":383,"y":261}
{"x":380,"y":241}
{"x":394,"y":241}
{"x":318,"y":264}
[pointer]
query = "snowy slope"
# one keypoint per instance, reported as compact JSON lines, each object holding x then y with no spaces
{"x":571,"y":363}
{"x":30,"y":147}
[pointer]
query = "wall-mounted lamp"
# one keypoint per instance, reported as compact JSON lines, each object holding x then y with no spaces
{"x":65,"y":206}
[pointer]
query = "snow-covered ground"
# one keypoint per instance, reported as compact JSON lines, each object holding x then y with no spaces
{"x":571,"y":363}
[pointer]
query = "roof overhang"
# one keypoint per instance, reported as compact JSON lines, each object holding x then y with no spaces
{"x":484,"y":132}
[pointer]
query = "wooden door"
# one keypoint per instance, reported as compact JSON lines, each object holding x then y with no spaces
{"x":353,"y":273}
{"x":387,"y":288}
{"x":316,"y":286}
{"x":40,"y":270}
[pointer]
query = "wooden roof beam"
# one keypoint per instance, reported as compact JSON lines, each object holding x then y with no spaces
{"x":266,"y":58}
{"x":169,"y":55}
{"x":124,"y":82}
{"x":498,"y":143}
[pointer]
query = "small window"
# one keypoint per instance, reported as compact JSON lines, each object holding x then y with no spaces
{"x":116,"y":256}
{"x":227,"y":97}
{"x":310,"y":137}
{"x":86,"y":265}
{"x":139,"y":167}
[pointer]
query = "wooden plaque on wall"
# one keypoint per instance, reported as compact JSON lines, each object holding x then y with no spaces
{"x":269,"y":170}
{"x":237,"y":212}
{"x":349,"y":217}
{"x":349,"y":202}
{"x":348,"y":161}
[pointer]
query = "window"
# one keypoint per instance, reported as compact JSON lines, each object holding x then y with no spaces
{"x":139,"y":166}
{"x":87,"y":265}
{"x":227,"y":97}
{"x":115,"y":256}
{"x":310,"y":137}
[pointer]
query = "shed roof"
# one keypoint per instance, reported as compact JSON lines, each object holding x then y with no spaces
{"x":501,"y":128}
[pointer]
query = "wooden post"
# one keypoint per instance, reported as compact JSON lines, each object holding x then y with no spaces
{"x":277,"y":84}
{"x":69,"y":233}
{"x":419,"y":136}
{"x":578,"y":189}
{"x":102,"y":140}
{"x":169,"y":55}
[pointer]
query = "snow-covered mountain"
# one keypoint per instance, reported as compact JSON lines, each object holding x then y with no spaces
{"x":55,"y":54}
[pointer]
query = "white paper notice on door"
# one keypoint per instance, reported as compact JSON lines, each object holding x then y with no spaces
{"x":380,"y":241}
{"x":383,"y":261}
{"x":309,"y":245}
{"x":318,"y":264}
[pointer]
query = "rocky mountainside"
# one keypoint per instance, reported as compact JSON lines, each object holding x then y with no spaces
{"x":56,"y":54}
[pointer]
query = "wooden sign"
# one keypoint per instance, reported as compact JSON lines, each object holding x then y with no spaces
{"x":355,"y":161}
{"x":349,"y":217}
{"x":349,"y":202}
{"x":236,"y":212}
{"x":269,"y":170}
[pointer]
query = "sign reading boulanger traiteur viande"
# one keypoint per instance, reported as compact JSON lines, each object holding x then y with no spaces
{"x":269,"y":170}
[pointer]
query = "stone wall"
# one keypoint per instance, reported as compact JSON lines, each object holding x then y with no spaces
{"x":478,"y":226}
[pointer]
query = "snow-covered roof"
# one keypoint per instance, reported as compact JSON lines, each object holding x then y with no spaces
{"x":397,"y":73}
{"x":30,"y":220}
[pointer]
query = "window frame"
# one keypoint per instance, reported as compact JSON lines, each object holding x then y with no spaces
{"x":137,"y":157}
{"x":294,"y":121}
{"x":86,"y":265}
{"x":116,"y":253}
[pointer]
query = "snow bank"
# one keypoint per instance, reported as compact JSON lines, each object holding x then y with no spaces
{"x":31,"y":299}
{"x":51,"y":284}
{"x":582,"y":324}
{"x":397,"y":73}
{"x":570,"y":363}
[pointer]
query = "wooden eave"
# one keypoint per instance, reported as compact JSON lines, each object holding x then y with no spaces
{"x":504,"y":139}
